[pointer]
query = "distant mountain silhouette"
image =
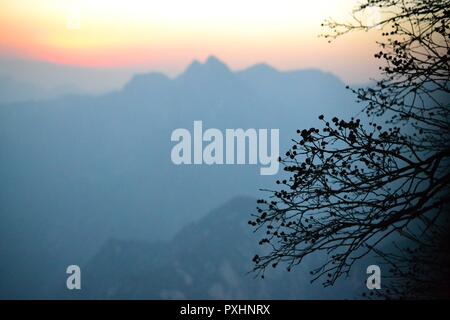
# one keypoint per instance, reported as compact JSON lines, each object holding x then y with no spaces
{"x":208,"y":259}
{"x":79,"y":170}
{"x":12,"y":91}
{"x":213,"y":67}
{"x":51,"y":77}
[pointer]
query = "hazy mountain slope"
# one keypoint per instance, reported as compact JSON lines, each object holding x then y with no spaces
{"x":208,"y":259}
{"x":51,"y":76}
{"x":12,"y":91}
{"x":79,"y":170}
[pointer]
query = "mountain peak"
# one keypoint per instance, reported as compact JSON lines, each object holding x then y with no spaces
{"x":260,"y":70}
{"x":213,"y":61}
{"x":212,"y":66}
{"x":147,"y":81}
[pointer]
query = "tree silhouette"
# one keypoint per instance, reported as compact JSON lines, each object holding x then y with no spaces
{"x":357,"y":184}
{"x":421,"y":271}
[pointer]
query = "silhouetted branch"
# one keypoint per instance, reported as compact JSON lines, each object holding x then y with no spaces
{"x":355,"y":183}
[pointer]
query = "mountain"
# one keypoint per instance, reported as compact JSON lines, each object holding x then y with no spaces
{"x":52,"y":77}
{"x":13,"y":91}
{"x":78,"y":170}
{"x":208,"y":259}
{"x":212,"y":67}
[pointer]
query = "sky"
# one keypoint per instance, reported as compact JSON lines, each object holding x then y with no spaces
{"x":167,"y":35}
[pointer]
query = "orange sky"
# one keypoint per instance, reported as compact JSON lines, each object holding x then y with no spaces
{"x":167,"y":35}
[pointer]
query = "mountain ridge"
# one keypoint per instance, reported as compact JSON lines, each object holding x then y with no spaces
{"x":207,"y":259}
{"x":214,"y":67}
{"x":93,"y":168}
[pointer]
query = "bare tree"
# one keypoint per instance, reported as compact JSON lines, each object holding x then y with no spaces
{"x":420,"y":270}
{"x":356,"y":184}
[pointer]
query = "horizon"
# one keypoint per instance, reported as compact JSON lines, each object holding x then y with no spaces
{"x":140,"y":35}
{"x":88,"y":80}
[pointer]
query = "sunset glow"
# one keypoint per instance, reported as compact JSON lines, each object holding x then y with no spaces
{"x":167,"y":35}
